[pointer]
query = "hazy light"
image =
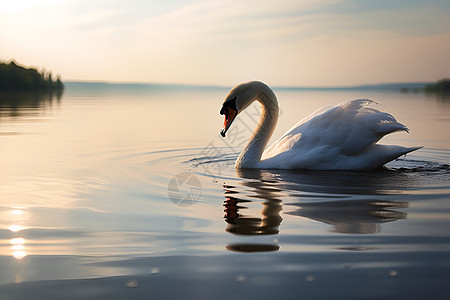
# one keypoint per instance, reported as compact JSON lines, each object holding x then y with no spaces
{"x":17,"y":241}
{"x":305,"y":42}
{"x":16,"y":6}
{"x":17,"y":212}
{"x":15,"y":228}
{"x":132,"y":283}
{"x":18,"y":247}
{"x":393,"y":273}
{"x":155,"y":271}
{"x":19,"y":254}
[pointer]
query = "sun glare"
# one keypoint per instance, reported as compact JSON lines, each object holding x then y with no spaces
{"x":16,"y":6}
{"x":18,"y":247}
{"x":15,"y":228}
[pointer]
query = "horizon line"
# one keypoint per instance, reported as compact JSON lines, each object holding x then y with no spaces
{"x":406,"y":84}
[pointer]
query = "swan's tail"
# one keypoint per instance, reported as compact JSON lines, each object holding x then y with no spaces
{"x":410,"y":149}
{"x":377,"y":155}
{"x":389,"y":153}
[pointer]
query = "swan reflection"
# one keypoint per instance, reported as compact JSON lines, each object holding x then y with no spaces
{"x":268,"y":219}
{"x":265,"y":223}
{"x":299,"y":193}
{"x":352,"y":216}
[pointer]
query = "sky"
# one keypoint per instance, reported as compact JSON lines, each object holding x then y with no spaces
{"x":224,"y":42}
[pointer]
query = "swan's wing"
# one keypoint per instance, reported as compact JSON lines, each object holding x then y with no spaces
{"x":348,"y":128}
{"x":288,"y":135}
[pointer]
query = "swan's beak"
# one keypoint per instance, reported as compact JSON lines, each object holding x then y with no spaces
{"x":230,"y":115}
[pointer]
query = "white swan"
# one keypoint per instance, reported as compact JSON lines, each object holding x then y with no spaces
{"x":343,"y":137}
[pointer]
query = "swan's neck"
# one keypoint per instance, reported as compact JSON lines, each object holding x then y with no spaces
{"x":250,"y":156}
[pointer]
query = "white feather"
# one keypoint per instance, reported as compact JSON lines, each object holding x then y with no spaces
{"x":344,"y":136}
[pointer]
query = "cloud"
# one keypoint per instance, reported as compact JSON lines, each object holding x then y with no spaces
{"x":225,"y":41}
{"x":22,"y":5}
{"x":293,"y":43}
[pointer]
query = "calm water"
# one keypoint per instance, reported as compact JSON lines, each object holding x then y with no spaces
{"x":129,"y":192}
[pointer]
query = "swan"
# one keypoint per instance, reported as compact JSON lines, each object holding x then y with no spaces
{"x":341,"y":137}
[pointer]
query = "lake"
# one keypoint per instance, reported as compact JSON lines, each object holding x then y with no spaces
{"x":129,"y":192}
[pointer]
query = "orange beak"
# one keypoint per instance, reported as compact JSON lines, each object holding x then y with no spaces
{"x":230,"y":114}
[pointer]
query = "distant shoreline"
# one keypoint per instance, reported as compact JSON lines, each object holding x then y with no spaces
{"x":143,"y":86}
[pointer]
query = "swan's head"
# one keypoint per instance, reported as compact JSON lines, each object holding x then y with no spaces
{"x":238,"y":99}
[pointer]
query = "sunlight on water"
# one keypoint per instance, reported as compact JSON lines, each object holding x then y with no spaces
{"x":133,"y":188}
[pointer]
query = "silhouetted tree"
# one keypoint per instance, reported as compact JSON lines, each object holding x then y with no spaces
{"x":14,"y":77}
{"x":441,"y":87}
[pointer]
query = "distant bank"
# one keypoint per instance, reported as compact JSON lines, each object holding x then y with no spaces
{"x":14,"y":77}
{"x":440,"y":89}
{"x":109,"y":86}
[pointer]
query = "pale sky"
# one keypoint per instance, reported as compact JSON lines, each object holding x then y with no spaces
{"x":223,"y":42}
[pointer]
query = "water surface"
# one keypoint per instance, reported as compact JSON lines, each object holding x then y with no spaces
{"x":129,"y":192}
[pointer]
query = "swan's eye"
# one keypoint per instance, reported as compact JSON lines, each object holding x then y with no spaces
{"x":231,"y":103}
{"x":223,"y":111}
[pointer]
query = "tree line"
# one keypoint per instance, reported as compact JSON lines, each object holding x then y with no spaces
{"x":441,"y":87}
{"x":14,"y":77}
